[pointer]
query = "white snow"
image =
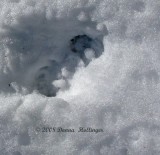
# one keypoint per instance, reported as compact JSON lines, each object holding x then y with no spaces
{"x":114,"y":85}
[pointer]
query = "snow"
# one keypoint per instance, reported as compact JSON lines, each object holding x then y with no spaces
{"x":106,"y":78}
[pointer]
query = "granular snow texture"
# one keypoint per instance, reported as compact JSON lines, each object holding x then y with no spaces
{"x":80,"y":63}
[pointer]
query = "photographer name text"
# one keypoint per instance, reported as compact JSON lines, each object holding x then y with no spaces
{"x":68,"y":130}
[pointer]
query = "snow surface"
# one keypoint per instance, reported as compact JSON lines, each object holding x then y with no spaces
{"x":43,"y":83}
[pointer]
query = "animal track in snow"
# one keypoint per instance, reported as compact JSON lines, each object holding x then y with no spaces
{"x":45,"y":54}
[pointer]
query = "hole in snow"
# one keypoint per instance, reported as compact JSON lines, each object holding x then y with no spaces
{"x":44,"y":54}
{"x":50,"y":79}
{"x":86,"y":47}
